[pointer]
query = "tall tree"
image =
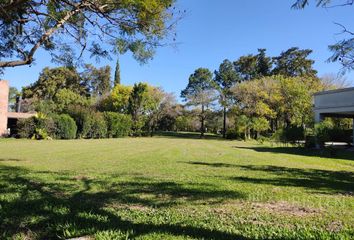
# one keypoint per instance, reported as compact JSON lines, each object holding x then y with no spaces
{"x":294,"y":62}
{"x":98,"y":79}
{"x":117,"y":80}
{"x":225,"y":78}
{"x":69,"y":28}
{"x":254,"y":66}
{"x":136,"y":105}
{"x":343,"y":50}
{"x":200,"y":93}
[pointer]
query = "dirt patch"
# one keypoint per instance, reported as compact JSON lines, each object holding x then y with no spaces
{"x":80,"y":178}
{"x":283,"y":207}
{"x":335,"y":226}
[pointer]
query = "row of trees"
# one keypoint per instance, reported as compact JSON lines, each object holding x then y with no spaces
{"x":253,"y":95}
{"x":258,"y":93}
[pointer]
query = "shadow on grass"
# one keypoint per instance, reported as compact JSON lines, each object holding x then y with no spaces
{"x":188,"y":135}
{"x":79,"y":205}
{"x":340,"y":154}
{"x":10,"y":160}
{"x":324,"y":181}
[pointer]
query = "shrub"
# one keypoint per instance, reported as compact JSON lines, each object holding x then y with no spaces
{"x":98,"y":127}
{"x":279,"y":136}
{"x":90,"y":124}
{"x":26,"y":127}
{"x":232,"y":134}
{"x":294,"y":134}
{"x":65,"y":127}
{"x":118,"y":125}
{"x":291,"y":135}
{"x":37,"y":127}
{"x":322,"y":132}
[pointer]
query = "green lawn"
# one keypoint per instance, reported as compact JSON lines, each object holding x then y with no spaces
{"x":172,"y":188}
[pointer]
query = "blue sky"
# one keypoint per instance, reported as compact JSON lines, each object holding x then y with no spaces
{"x":214,"y":30}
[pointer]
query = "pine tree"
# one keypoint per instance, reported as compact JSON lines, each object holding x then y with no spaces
{"x":117,"y":74}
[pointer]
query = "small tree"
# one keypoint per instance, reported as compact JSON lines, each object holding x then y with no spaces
{"x":260,"y":125}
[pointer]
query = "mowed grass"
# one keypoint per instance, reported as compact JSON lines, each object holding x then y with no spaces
{"x":172,"y":188}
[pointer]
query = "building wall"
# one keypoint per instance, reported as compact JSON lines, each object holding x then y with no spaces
{"x":4,"y":95}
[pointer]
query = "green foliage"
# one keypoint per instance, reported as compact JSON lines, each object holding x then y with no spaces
{"x":66,"y":97}
{"x":38,"y":127}
{"x":294,"y":62}
{"x":90,"y":124}
{"x":260,"y":124}
{"x":136,"y":102}
{"x":233,"y":134}
{"x":322,"y":131}
{"x":51,"y":80}
{"x":65,"y":127}
{"x":117,"y":80}
{"x":98,"y":80}
{"x":118,"y":125}
{"x":127,"y":25}
{"x":117,"y":100}
{"x":13,"y":95}
{"x":26,"y":127}
{"x":200,"y":92}
{"x":254,"y":66}
{"x":291,"y":134}
{"x":98,"y":126}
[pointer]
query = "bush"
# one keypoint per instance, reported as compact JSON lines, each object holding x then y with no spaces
{"x":90,"y":124}
{"x":26,"y":127}
{"x":98,"y":127}
{"x":65,"y":127}
{"x":232,"y":134}
{"x":322,"y":132}
{"x":310,"y":141}
{"x":294,"y":134}
{"x":37,"y":127}
{"x":118,"y":125}
{"x":291,"y":135}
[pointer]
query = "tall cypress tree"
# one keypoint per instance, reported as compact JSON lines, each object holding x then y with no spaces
{"x":117,"y":74}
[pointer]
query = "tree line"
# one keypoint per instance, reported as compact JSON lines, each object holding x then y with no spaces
{"x":255,"y":95}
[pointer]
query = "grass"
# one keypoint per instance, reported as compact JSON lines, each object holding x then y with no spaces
{"x":171,"y":187}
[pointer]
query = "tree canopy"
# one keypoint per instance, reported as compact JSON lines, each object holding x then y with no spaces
{"x":69,"y":28}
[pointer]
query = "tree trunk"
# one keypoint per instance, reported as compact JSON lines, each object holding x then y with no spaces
{"x":224,"y":124}
{"x":202,"y":129}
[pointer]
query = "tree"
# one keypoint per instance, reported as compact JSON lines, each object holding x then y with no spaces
{"x":152,"y":106}
{"x":294,"y":62}
{"x":117,"y":74}
{"x":260,"y":125}
{"x":200,"y":92}
{"x":343,"y":51}
{"x":225,"y":78}
{"x":117,"y":100}
{"x":136,"y":105}
{"x":69,"y":28}
{"x":254,"y":66}
{"x":51,"y":80}
{"x":13,"y":95}
{"x":98,"y":80}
